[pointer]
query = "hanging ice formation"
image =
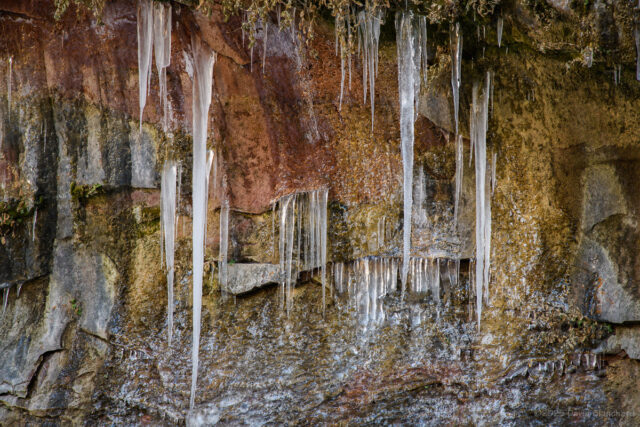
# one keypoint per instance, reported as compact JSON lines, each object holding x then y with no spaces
{"x":411,"y":43}
{"x":10,"y":81}
{"x":341,"y":41}
{"x":636,"y":34}
{"x":369,"y":22}
{"x":459,"y":177}
{"x":168,"y":232}
{"x":203,"y":60}
{"x":366,"y":282}
{"x":456,"y":70}
{"x":224,"y":242}
{"x":456,"y":80}
{"x":303,"y":238}
{"x":479,"y":124}
{"x":500,"y":27}
{"x":154,"y":29}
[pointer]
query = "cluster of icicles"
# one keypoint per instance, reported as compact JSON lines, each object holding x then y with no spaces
{"x":302,"y":243}
{"x":366,"y":281}
{"x":302,"y":216}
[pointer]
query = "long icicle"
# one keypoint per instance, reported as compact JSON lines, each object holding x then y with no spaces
{"x":203,"y":61}
{"x":409,"y":70}
{"x":479,"y":120}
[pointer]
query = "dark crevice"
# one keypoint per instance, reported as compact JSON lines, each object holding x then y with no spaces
{"x":44,"y":357}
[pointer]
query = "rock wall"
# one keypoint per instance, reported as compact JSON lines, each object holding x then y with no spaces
{"x":80,"y":232}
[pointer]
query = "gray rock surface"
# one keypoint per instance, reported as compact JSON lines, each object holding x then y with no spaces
{"x":246,"y":277}
{"x":627,"y":339}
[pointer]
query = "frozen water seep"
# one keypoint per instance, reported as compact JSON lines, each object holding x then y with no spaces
{"x":154,"y":30}
{"x":168,"y":232}
{"x":411,"y":44}
{"x":303,"y":238}
{"x":500,"y":26}
{"x":479,"y":124}
{"x":203,"y":61}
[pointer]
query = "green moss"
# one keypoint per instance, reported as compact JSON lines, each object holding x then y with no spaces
{"x":82,"y":193}
{"x":15,"y":212}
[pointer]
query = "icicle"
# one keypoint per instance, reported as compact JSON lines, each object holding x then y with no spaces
{"x":342,"y":72}
{"x":162,"y":51}
{"x":323,"y":242}
{"x":168,"y":234}
{"x":494,"y":158}
{"x":456,"y":70}
{"x":5,"y":299}
{"x":459,"y":176}
{"x":210,"y":157}
{"x":203,"y":61}
{"x":244,"y":21}
{"x":500,"y":27}
{"x":409,"y":65}
{"x":479,"y":120}
{"x":145,"y":47}
{"x":636,"y":34}
{"x":33,"y":226}
{"x":349,"y":46}
{"x":9,"y":83}
{"x":224,"y":243}
{"x":264,"y":44}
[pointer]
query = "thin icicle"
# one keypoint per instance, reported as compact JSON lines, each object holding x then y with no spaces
{"x":349,"y":41}
{"x":264,"y":44}
{"x":456,"y":70}
{"x":224,"y":243}
{"x":494,"y":159}
{"x":33,"y":226}
{"x":10,"y":81}
{"x":500,"y":28}
{"x":168,"y":234}
{"x":145,"y":47}
{"x":323,"y":242}
{"x":341,"y":79}
{"x":459,"y":177}
{"x":636,"y":34}
{"x":5,"y":299}
{"x":203,"y":61}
